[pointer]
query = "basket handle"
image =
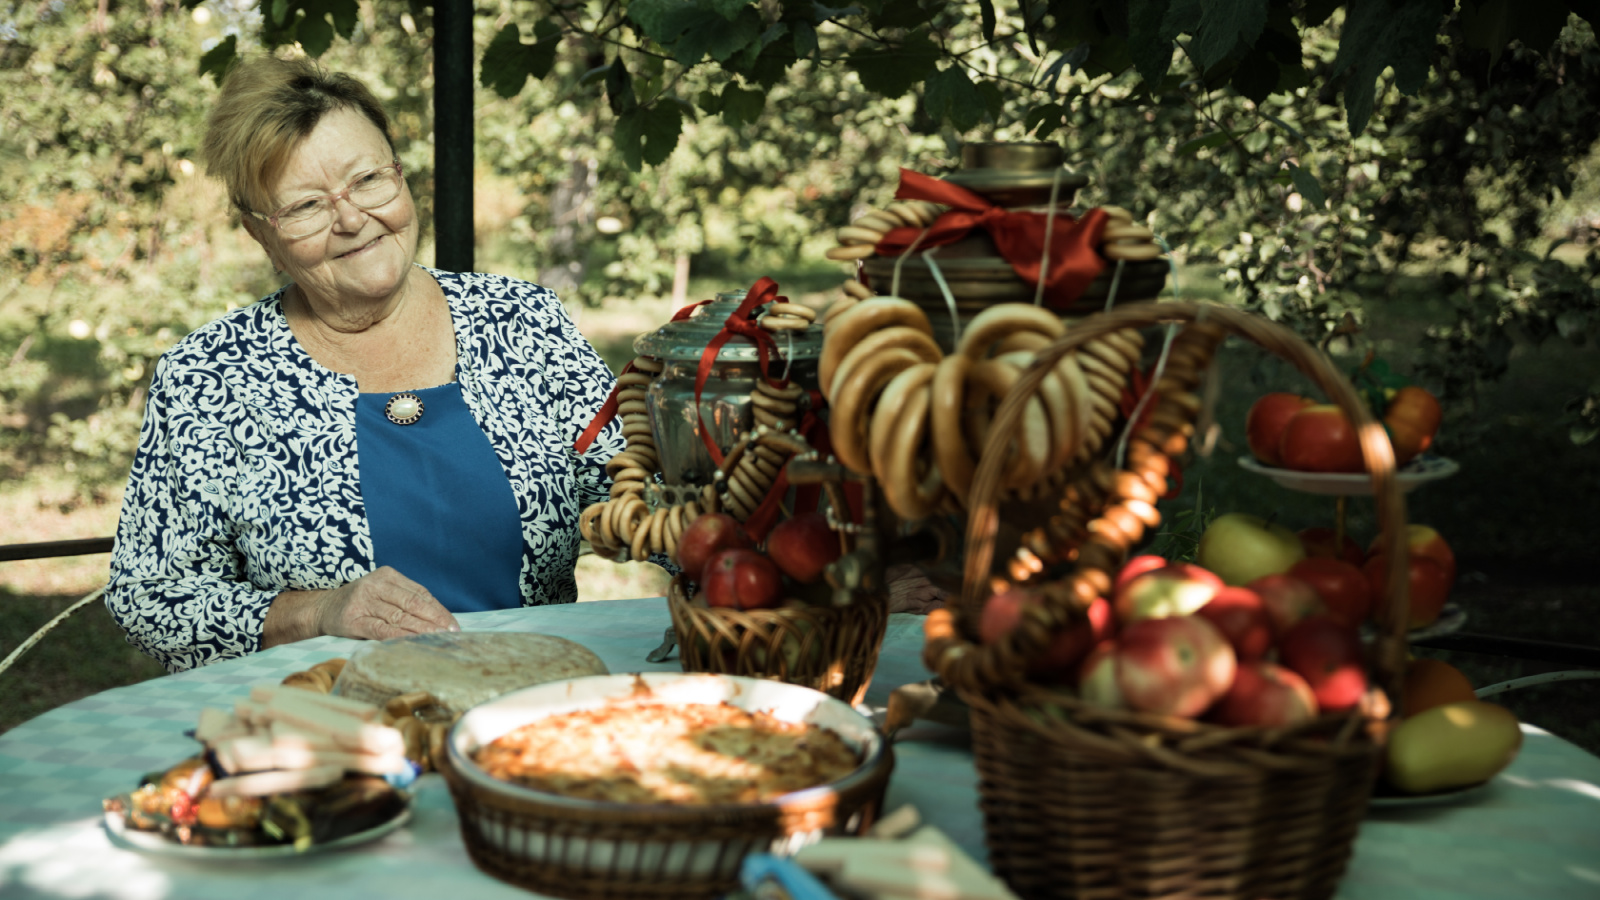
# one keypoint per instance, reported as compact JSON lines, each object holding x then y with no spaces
{"x":1389,"y":649}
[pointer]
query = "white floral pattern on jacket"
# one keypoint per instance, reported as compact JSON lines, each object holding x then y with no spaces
{"x":246,"y":484}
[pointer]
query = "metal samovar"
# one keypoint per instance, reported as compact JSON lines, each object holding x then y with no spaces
{"x":1019,"y":177}
{"x":725,"y":406}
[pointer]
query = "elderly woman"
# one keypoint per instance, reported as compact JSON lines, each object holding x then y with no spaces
{"x":370,"y":448}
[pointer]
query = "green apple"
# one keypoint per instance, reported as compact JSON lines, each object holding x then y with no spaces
{"x":1239,"y":548}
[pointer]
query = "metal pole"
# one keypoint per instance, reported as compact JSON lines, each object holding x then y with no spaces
{"x":452,"y":135}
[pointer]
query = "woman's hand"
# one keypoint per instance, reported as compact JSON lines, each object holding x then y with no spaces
{"x":381,"y":604}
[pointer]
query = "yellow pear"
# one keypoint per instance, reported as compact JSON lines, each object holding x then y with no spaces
{"x":1451,"y":746}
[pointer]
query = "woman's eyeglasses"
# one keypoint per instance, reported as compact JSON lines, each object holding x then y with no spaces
{"x":306,"y":217}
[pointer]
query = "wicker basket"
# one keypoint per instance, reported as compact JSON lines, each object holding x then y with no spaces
{"x":833,"y":650}
{"x":1085,"y":802}
{"x":591,"y":850}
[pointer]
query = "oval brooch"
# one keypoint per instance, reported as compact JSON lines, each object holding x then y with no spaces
{"x":403,"y":408}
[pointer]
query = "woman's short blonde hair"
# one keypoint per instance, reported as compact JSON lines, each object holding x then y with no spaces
{"x":267,"y":107}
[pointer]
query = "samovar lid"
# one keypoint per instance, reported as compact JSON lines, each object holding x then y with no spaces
{"x":1016,"y":173}
{"x":686,"y":339}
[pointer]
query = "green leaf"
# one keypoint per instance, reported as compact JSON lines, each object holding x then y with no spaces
{"x":1256,"y":76}
{"x":280,"y":12}
{"x":619,"y":88}
{"x":1047,"y":118}
{"x":315,"y":35}
{"x":709,"y":102}
{"x":646,"y":135}
{"x":902,"y":14}
{"x":741,"y":107}
{"x":991,"y":99}
{"x":894,"y":70}
{"x":219,"y":59}
{"x":987,"y":19}
{"x":1204,"y":142}
{"x":1151,"y":47}
{"x":1223,"y":26}
{"x":951,"y":96}
{"x":805,"y":39}
{"x":503,"y":67}
{"x":343,"y":12}
{"x":709,"y":33}
{"x":1377,"y":35}
{"x":1308,"y":186}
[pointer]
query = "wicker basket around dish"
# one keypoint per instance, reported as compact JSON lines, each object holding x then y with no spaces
{"x":1085,"y":802}
{"x":827,"y":649}
{"x":672,"y":852}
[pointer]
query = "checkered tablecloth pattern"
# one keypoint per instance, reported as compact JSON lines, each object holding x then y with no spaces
{"x":1534,"y":833}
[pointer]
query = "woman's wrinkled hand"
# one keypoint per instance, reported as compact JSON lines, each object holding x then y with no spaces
{"x":381,"y":604}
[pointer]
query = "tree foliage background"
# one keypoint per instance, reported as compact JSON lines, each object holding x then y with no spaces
{"x":1317,"y":160}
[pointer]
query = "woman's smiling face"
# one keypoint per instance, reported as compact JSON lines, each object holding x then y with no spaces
{"x":364,"y":257}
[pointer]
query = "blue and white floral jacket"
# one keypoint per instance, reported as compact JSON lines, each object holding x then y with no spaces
{"x":245,"y":483}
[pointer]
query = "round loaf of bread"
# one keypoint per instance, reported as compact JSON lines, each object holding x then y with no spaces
{"x":462,"y":669}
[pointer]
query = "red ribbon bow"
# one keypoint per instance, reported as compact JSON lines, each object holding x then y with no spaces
{"x":1019,"y":236}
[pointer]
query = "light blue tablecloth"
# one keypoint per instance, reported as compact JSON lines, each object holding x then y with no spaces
{"x":1533,"y":833}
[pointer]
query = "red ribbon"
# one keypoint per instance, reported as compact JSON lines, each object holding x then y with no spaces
{"x":1019,"y":236}
{"x":739,"y":323}
{"x":608,"y":409}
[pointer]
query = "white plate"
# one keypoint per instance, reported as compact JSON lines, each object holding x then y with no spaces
{"x":160,"y":845}
{"x":1418,"y":472}
{"x":1381,"y":800}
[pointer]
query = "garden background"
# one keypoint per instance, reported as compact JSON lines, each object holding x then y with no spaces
{"x":1441,"y":217}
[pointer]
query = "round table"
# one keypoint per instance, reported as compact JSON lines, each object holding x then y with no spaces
{"x":1533,"y":833}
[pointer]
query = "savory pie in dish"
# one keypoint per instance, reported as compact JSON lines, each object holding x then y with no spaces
{"x":651,"y":752}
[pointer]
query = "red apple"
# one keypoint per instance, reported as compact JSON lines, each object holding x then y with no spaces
{"x":1287,"y":600}
{"x":1176,"y":589}
{"x":1265,"y":695}
{"x":1060,"y":660}
{"x":1342,"y":587}
{"x":1097,"y":677}
{"x":1240,"y":548}
{"x":1239,"y":614}
{"x":1327,"y":654}
{"x":1177,"y":665}
{"x":1422,"y":540}
{"x":1002,"y":613}
{"x":1320,"y":544}
{"x":1321,"y":438}
{"x":1263,"y":425}
{"x":742,"y":579}
{"x":706,"y":536}
{"x":1135,"y":567}
{"x":1429,"y":587}
{"x":803,"y":546}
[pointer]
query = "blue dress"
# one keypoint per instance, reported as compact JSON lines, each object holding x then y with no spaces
{"x":441,"y":509}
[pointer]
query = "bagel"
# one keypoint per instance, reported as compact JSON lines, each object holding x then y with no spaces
{"x":648,"y":364}
{"x":879,"y":220}
{"x":859,"y":291}
{"x":838,"y":306}
{"x":847,"y":329}
{"x":788,"y":391}
{"x":1060,"y":407}
{"x":858,"y":234}
{"x":624,"y":460}
{"x":658,"y":529}
{"x":635,"y":379}
{"x":771,"y":419}
{"x":1004,"y":319}
{"x":1021,"y":342}
{"x":586,"y":520}
{"x":633,"y":408}
{"x":763,"y":400}
{"x":1137,"y":252}
{"x":899,"y":337}
{"x":620,"y":489}
{"x":853,"y":403}
{"x":793,"y":309}
{"x":911,"y":494}
{"x":1031,"y":442}
{"x":639,"y":543}
{"x":1126,"y":232}
{"x":950,"y":448}
{"x":772,"y":322}
{"x":851,"y":253}
{"x":911,"y":213}
{"x":891,"y":402}
{"x":632,"y":395}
